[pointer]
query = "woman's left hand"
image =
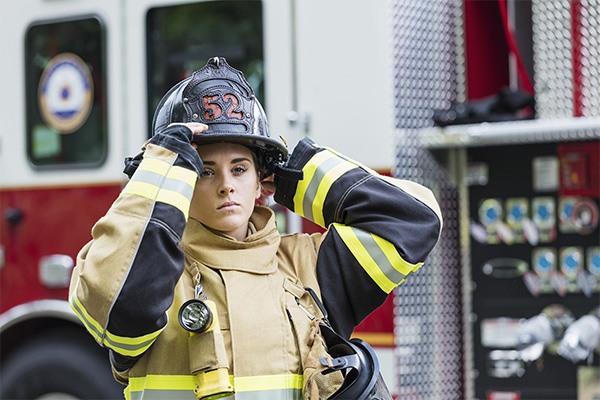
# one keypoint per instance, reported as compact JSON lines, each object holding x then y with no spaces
{"x":268,"y":184}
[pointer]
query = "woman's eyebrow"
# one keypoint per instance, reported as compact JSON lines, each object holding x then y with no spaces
{"x":240,"y":159}
{"x":233,"y":161}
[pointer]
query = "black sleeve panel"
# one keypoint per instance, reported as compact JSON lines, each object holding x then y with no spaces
{"x":347,"y":291}
{"x":148,"y":290}
{"x":361,"y":200}
{"x":177,"y":138}
{"x":120,"y":362}
{"x":124,"y":281}
{"x":380,"y":229}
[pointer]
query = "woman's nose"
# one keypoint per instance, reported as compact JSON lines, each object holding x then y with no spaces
{"x":225,"y":186}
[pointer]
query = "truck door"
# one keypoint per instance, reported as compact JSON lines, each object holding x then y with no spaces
{"x":61,"y":152}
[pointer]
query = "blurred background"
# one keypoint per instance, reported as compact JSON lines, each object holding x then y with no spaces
{"x":493,"y":104}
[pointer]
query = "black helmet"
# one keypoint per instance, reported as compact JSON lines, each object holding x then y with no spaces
{"x":359,"y":365}
{"x":219,"y":96}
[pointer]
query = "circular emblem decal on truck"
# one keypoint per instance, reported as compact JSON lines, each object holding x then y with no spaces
{"x":65,"y":93}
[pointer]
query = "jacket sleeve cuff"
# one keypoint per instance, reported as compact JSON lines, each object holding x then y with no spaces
{"x":286,"y":187}
{"x":177,"y":138}
{"x":321,"y":169}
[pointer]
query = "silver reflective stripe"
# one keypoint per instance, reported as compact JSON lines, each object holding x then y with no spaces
{"x":164,"y":395}
{"x":163,"y":182}
{"x":377,"y":254}
{"x":136,"y":348}
{"x":315,"y":182}
{"x":378,"y":257}
{"x":277,"y":394}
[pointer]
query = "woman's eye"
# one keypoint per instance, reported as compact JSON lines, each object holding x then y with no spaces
{"x":206,"y":172}
{"x":239,"y":170}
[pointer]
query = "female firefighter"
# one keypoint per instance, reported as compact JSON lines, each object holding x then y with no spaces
{"x":192,"y":288}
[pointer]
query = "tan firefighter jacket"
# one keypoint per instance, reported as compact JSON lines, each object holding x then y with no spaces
{"x":147,"y":258}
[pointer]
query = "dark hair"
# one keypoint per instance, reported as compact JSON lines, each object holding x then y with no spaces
{"x":259,"y":162}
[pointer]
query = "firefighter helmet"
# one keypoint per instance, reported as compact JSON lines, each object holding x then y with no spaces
{"x":358,"y":362}
{"x":220,"y":97}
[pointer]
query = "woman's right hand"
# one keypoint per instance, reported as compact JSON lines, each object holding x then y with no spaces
{"x":196,"y":127}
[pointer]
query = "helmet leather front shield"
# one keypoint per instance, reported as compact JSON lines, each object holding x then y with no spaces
{"x":170,"y":109}
{"x":220,"y":97}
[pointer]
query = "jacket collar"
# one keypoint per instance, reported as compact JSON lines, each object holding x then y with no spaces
{"x":255,"y":254}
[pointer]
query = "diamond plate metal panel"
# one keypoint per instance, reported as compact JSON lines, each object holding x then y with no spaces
{"x":429,"y":74}
{"x":587,"y":53}
{"x":552,"y":61}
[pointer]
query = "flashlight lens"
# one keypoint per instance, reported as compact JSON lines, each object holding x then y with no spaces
{"x":195,"y":316}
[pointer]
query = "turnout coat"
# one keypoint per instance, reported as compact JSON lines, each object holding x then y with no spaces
{"x":147,"y":257}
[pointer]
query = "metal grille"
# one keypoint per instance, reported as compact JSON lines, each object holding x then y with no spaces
{"x":429,"y":74}
{"x":552,"y":61}
{"x":588,"y":40}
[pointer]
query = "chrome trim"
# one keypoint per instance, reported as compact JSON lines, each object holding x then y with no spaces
{"x":513,"y":132}
{"x":37,"y":309}
{"x":55,"y":271}
{"x":2,"y":257}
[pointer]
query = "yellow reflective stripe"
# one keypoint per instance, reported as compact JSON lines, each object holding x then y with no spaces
{"x":171,"y":386}
{"x":379,"y":258}
{"x":129,"y":346}
{"x":143,"y":189}
{"x":175,"y":199}
{"x":320,"y":173}
{"x":159,"y":181}
{"x":364,"y":259}
{"x":182,"y":174}
{"x":326,"y":182}
{"x":93,"y":327}
{"x":358,"y":164}
{"x":267,"y":382}
{"x":163,"y":382}
{"x":241,"y":384}
{"x":309,"y":171}
{"x":154,"y":165}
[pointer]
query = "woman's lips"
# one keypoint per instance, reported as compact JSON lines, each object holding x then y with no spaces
{"x":229,"y":204}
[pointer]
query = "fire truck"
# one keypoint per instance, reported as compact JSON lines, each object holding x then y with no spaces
{"x":497,"y":108}
{"x":494,"y":104}
{"x":82,"y":79}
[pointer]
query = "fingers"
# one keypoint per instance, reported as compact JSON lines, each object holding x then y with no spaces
{"x":268,"y":185}
{"x":195,"y":127}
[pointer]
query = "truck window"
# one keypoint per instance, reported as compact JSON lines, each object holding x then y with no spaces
{"x":65,"y":93}
{"x":182,"y":38}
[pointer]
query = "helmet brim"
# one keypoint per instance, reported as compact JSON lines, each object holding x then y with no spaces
{"x":360,"y":366}
{"x":267,"y":145}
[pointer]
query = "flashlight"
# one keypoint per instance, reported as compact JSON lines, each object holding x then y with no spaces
{"x":195,"y":316}
{"x":200,"y":318}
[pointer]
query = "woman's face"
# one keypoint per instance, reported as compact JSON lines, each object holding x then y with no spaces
{"x":227,"y":189}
